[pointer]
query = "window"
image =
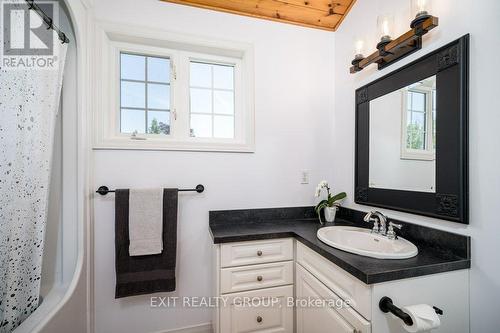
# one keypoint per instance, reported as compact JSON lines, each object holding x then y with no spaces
{"x":419,"y":121}
{"x":178,"y":93}
{"x":416,"y":120}
{"x":211,"y":88}
{"x":144,"y":94}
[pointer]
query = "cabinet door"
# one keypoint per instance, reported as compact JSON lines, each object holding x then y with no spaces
{"x":264,"y":310}
{"x":318,"y":308}
{"x":336,"y":279}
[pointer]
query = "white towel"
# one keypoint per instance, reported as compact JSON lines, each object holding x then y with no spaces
{"x":145,"y":221}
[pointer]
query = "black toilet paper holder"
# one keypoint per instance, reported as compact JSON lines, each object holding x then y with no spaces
{"x":386,"y":305}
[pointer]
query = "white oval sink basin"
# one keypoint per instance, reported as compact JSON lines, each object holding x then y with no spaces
{"x":364,"y":242}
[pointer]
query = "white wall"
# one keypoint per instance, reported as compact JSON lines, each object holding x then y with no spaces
{"x":387,"y":169}
{"x":294,"y":111}
{"x":457,"y":18}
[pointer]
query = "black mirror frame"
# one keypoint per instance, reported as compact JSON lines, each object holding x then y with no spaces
{"x":450,"y":64}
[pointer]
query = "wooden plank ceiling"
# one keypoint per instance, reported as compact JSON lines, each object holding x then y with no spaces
{"x":320,"y":14}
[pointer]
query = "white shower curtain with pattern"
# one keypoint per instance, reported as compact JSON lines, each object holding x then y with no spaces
{"x":29,"y":102}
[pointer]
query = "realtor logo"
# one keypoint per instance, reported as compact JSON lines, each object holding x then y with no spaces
{"x":27,"y":41}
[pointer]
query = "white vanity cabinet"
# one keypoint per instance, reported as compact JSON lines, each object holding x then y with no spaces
{"x":285,"y":269}
{"x":256,"y":280}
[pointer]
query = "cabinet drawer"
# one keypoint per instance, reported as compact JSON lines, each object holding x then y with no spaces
{"x":256,"y":252}
{"x":340,"y":282}
{"x":236,"y":279}
{"x":238,"y":316}
{"x":330,"y":315}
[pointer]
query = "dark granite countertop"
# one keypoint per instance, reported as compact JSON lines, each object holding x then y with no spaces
{"x":438,"y":251}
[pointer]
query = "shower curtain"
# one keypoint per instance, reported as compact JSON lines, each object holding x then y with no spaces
{"x":29,"y":102}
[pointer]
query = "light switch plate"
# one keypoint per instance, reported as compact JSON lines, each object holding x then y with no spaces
{"x":304,"y":177}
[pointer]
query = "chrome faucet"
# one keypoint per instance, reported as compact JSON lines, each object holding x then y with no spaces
{"x":377,"y":217}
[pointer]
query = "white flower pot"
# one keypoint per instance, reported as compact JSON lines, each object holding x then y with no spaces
{"x":330,"y":213}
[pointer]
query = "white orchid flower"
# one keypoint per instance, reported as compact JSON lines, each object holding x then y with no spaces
{"x":322,"y":184}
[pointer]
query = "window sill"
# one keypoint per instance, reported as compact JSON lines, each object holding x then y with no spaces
{"x":165,"y":145}
{"x":418,"y":155}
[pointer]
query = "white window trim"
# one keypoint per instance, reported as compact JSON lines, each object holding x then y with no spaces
{"x":429,"y":154}
{"x":110,"y":41}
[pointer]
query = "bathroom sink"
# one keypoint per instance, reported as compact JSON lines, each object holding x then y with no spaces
{"x":364,"y":242}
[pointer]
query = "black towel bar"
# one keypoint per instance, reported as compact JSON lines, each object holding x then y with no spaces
{"x":386,"y":305}
{"x":103,"y":190}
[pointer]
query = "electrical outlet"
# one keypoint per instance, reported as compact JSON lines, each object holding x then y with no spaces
{"x":304,"y":177}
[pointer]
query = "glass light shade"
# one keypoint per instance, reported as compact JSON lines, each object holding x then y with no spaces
{"x":385,"y":26}
{"x":420,"y":7}
{"x":359,"y":45}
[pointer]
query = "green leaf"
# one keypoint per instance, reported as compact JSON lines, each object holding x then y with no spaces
{"x":319,"y":207}
{"x":322,"y":204}
{"x":338,"y":197}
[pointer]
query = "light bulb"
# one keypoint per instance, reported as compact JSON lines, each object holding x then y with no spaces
{"x":385,"y":28}
{"x":420,"y":7}
{"x":385,"y":25}
{"x":358,"y":46}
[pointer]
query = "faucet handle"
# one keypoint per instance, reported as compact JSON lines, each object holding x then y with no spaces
{"x":368,"y":218}
{"x":395,"y":225}
{"x":391,"y":234}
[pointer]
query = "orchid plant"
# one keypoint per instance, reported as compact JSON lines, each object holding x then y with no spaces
{"x":330,"y":201}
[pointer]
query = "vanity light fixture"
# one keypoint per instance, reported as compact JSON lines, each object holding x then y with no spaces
{"x":390,"y":50}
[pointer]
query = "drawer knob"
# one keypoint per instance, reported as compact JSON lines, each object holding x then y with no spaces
{"x":259,"y":253}
{"x":259,"y":278}
{"x":259,"y":319}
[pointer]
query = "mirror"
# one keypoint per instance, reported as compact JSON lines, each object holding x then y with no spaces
{"x":412,"y":136}
{"x":403,"y":138}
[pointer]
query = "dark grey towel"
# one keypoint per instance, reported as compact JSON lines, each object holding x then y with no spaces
{"x":140,"y":275}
